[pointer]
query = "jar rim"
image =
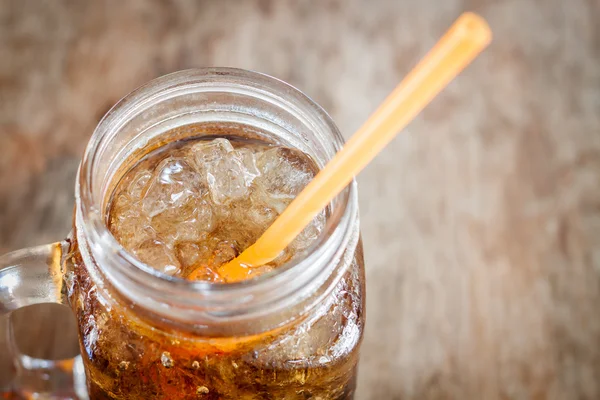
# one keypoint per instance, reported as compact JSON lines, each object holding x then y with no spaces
{"x":112,"y":257}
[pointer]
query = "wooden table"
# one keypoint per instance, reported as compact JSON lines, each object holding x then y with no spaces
{"x":481,"y":222}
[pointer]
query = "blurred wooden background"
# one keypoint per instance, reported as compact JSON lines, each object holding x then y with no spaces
{"x":481,"y":222}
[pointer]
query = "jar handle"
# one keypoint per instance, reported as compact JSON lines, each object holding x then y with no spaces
{"x":34,"y":276}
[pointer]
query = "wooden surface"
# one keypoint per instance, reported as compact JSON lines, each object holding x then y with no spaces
{"x":481,"y":222}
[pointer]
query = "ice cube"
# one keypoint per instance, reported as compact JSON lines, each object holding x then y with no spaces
{"x":228,"y":171}
{"x":158,"y":255}
{"x":129,"y":226}
{"x":204,"y":273}
{"x":225,"y":251}
{"x":226,"y":182}
{"x":187,"y":221}
{"x":261,"y":270}
{"x":173,"y":183}
{"x":188,"y":253}
{"x":310,"y":233}
{"x":206,"y":153}
{"x":283,"y":174}
{"x":138,"y":185}
{"x":121,"y":203}
{"x":260,"y":214}
{"x":230,"y":177}
{"x":247,"y":160}
{"x":206,"y":257}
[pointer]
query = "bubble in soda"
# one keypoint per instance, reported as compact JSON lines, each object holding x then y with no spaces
{"x":190,"y":207}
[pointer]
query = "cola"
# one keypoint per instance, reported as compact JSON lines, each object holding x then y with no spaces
{"x":185,"y":209}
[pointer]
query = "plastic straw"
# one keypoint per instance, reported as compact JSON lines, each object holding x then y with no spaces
{"x":465,"y":39}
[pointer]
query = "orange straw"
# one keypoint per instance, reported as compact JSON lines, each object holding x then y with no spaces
{"x":467,"y":37}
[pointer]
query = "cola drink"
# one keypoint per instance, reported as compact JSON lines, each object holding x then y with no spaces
{"x":185,"y":209}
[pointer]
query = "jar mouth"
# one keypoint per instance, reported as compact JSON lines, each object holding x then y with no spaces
{"x":113,"y":258}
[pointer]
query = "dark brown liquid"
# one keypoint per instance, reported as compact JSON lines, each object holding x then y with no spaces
{"x":128,"y":357}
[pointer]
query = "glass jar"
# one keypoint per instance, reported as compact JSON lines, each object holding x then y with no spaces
{"x":293,"y":333}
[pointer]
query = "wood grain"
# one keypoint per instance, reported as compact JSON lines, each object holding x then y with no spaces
{"x":481,"y":222}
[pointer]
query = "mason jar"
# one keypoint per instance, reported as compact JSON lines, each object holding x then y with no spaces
{"x":293,"y":333}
